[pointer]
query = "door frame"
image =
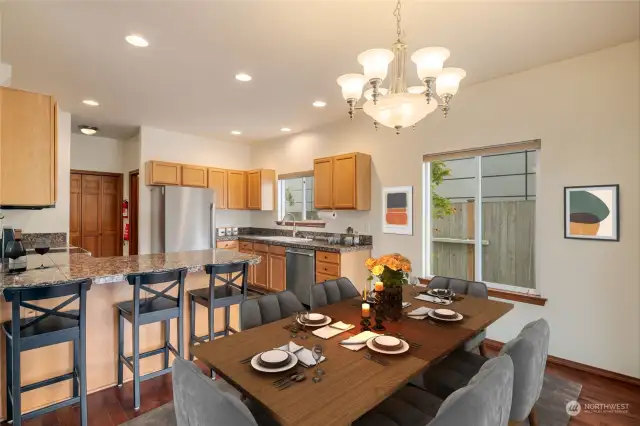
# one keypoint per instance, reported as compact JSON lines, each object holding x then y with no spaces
{"x":133,"y":173}
{"x":120,"y":196}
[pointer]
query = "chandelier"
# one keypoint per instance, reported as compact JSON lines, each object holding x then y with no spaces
{"x":397,"y":106}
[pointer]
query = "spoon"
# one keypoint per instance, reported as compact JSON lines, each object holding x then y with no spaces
{"x":285,"y":379}
{"x":297,"y":378}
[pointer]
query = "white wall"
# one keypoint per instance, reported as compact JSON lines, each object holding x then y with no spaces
{"x":589,"y":137}
{"x":96,"y":153}
{"x":164,"y":145}
{"x":130,"y":162}
{"x":54,"y":219}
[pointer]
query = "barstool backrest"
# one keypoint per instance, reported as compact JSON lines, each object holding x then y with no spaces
{"x":225,"y":273}
{"x":69,"y":288}
{"x":148,"y":278}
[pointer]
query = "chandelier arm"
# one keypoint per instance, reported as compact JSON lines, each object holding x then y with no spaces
{"x":397,"y":14}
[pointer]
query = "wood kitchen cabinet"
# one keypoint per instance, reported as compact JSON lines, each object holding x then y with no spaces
{"x":261,"y":189}
{"x":277,"y":268}
{"x":163,"y":173}
{"x":261,"y":272}
{"x":194,"y":176}
{"x":332,"y":265}
{"x":236,"y":190}
{"x":343,"y":182}
{"x":218,"y":182}
{"x":247,"y":248}
{"x":229,"y":245}
{"x":28,"y":148}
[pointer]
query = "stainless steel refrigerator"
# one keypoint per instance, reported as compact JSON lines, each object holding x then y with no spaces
{"x":182,"y":219}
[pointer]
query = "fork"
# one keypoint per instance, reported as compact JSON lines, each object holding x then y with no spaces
{"x":374,"y":359}
{"x":412,"y":344}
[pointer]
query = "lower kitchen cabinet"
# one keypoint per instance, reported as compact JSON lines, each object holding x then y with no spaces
{"x":261,"y":270}
{"x":331,"y":266}
{"x":277,"y":272}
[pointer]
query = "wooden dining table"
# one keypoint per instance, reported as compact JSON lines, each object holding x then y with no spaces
{"x":352,"y":384}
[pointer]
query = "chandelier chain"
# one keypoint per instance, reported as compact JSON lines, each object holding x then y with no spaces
{"x":396,"y":13}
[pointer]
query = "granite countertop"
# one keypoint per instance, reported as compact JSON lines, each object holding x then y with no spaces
{"x":313,"y":245}
{"x":73,"y":264}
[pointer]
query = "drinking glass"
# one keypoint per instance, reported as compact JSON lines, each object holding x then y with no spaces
{"x":304,"y":317}
{"x":317,"y":351}
{"x":413,"y":282}
{"x":41,"y":247}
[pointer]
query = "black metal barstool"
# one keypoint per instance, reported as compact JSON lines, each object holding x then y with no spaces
{"x":232,"y":292}
{"x":50,"y":328}
{"x":159,"y":307}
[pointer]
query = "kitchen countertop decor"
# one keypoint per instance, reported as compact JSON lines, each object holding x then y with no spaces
{"x":74,"y":264}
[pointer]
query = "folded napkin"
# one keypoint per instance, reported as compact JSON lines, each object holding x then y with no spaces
{"x":419,"y":313}
{"x":406,"y":304}
{"x":361,"y":338}
{"x":432,"y":299}
{"x":304,"y":355}
{"x":328,"y":331}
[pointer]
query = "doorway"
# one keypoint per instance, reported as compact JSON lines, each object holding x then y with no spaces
{"x":95,"y":218}
{"x":134,"y":184}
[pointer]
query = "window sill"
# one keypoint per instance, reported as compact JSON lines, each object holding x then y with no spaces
{"x":303,"y":223}
{"x":530,"y":299}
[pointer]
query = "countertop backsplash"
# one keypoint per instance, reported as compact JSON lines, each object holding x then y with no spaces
{"x":365,"y":240}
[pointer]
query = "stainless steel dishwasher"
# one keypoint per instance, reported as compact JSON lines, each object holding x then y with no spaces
{"x":301,"y":272}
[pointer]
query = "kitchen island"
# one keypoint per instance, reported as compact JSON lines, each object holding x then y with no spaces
{"x":109,"y":288}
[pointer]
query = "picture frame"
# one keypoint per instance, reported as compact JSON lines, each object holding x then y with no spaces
{"x":397,"y":210}
{"x":592,"y":212}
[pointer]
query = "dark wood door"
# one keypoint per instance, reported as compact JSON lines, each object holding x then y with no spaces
{"x":133,"y":213}
{"x":91,"y":217}
{"x":109,"y":217}
{"x":75,"y":211}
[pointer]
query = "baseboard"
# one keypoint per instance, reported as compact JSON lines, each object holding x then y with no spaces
{"x":495,"y":345}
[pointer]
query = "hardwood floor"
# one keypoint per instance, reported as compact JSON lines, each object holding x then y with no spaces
{"x":114,"y":406}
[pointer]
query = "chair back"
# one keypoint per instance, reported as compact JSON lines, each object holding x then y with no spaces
{"x":142,"y":281}
{"x":485,"y":401}
{"x":198,"y":400}
{"x":472,"y":288}
{"x":332,"y":291}
{"x":233,"y":274}
{"x":267,"y":309}
{"x":529,"y":354}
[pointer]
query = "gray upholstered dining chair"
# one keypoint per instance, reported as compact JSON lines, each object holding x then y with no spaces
{"x":485,"y":401}
{"x":529,"y":354}
{"x":269,"y":308}
{"x":471,"y":288}
{"x":332,"y":291}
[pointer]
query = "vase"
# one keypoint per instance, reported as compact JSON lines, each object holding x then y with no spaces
{"x":392,"y":302}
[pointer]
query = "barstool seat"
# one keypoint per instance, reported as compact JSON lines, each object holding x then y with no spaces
{"x":219,"y":292}
{"x":58,"y":329}
{"x":148,"y":307}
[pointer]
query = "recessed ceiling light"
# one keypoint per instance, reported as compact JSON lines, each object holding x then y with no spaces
{"x":243,"y":77}
{"x":136,"y":40}
{"x":88,"y":130}
{"x":90,"y":102}
{"x":285,"y":129}
{"x":319,"y":104}
{"x":236,"y":132}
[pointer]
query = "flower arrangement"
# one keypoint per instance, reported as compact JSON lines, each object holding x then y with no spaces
{"x":392,"y":269}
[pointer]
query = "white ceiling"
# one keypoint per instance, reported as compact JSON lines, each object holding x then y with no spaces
{"x":294,"y":50}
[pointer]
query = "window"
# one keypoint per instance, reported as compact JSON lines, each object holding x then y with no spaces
{"x":296,"y":197}
{"x":480,"y":221}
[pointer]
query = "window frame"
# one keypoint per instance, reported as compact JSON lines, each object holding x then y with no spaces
{"x":282,"y":202}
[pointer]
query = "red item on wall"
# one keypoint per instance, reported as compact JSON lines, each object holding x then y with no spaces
{"x":125,"y":208}
{"x":126,"y":232}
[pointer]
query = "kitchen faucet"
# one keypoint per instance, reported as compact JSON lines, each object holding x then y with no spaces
{"x":294,"y":223}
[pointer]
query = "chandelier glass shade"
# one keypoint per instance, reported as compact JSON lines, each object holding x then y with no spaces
{"x":398,"y":106}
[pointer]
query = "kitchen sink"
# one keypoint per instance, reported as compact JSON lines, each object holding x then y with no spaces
{"x":285,"y":239}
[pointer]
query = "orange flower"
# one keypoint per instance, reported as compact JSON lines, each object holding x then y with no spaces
{"x":370,"y":263}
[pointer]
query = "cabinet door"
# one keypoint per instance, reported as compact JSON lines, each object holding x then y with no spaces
{"x":323,"y":183}
{"x":277,"y":272}
{"x":28,"y":138}
{"x":110,"y":215}
{"x":254,"y":199}
{"x":236,"y":194}
{"x":229,"y":245}
{"x":252,"y":268}
{"x":218,"y":182}
{"x":194,"y":176}
{"x":261,"y":276}
{"x":91,"y":214}
{"x":164,"y":173}
{"x":344,"y":181}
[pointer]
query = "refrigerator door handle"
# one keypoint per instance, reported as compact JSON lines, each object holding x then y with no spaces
{"x":211,"y":230}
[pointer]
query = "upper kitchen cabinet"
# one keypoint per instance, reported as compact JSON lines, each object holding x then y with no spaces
{"x":343,"y":182}
{"x":261,"y":189}
{"x":162,"y":173}
{"x":236,"y":189}
{"x":194,"y":176}
{"x":28,"y":145}
{"x":218,"y":182}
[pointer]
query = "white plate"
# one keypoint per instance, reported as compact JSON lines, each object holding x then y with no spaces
{"x":327,"y":321}
{"x":403,"y":349}
{"x":458,"y":318}
{"x":256,"y":365}
{"x":431,"y":292}
{"x":274,"y":356}
{"x":388,"y":341}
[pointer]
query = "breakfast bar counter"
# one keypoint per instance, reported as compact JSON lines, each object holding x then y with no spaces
{"x":109,"y":287}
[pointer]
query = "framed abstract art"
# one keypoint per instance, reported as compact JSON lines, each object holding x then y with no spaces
{"x":397,"y":210}
{"x":592,"y":212}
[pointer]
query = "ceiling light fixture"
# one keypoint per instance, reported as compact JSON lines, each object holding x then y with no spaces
{"x":136,"y":40}
{"x":88,"y":130}
{"x":90,"y":102}
{"x":236,"y":132}
{"x":399,"y":107}
{"x":319,"y":104}
{"x":285,"y":129}
{"x":243,"y":77}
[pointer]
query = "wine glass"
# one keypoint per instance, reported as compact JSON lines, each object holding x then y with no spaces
{"x":317,"y":351}
{"x":413,"y":282}
{"x":42,"y":248}
{"x":304,"y":317}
